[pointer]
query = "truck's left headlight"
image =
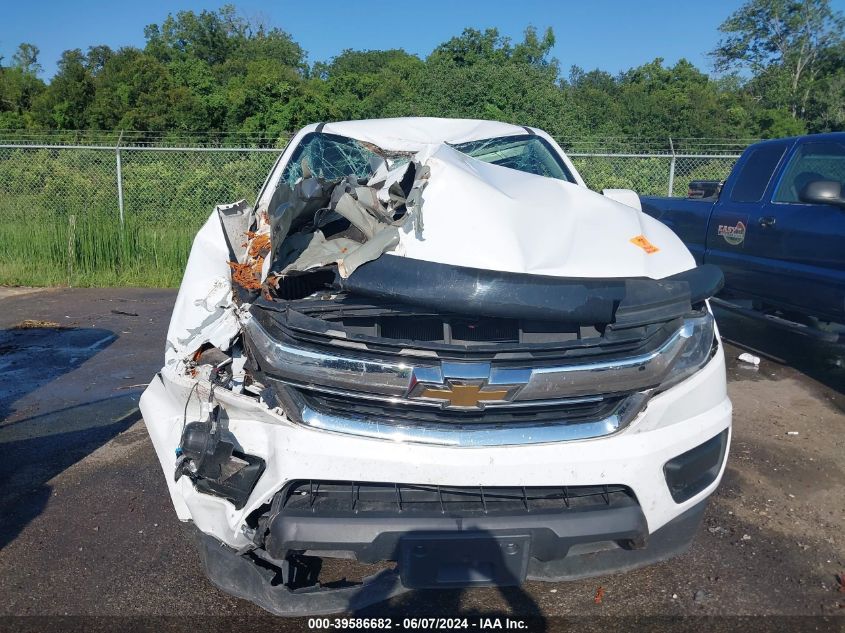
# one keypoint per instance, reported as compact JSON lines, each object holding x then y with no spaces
{"x":700,"y":335}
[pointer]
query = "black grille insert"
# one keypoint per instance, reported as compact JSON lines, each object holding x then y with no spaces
{"x":573,"y":412}
{"x":416,"y":329}
{"x":384,"y":498}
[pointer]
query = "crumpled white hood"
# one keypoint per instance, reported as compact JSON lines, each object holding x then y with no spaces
{"x":472,"y":214}
{"x":481,"y":215}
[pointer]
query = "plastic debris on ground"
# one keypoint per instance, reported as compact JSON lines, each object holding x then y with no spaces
{"x":745,"y":357}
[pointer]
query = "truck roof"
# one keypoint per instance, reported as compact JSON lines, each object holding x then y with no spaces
{"x":826,"y":136}
{"x":413,"y":132}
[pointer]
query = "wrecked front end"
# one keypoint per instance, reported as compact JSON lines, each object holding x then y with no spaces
{"x":394,"y":370}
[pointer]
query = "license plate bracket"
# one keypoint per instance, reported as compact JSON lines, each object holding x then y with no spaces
{"x":464,"y":559}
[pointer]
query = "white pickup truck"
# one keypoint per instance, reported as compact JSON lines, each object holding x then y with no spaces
{"x":429,"y":343}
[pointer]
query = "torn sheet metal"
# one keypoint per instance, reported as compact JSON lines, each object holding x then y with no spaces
{"x":364,"y":219}
{"x":205,"y":311}
{"x":345,"y":253}
{"x":449,"y":208}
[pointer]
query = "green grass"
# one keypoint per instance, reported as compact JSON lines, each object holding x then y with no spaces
{"x":92,"y":249}
{"x":59,"y":221}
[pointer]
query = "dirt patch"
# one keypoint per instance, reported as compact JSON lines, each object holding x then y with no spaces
{"x":32,"y":324}
{"x":16,"y":291}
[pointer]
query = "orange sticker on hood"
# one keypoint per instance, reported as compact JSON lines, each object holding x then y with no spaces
{"x":644,"y":244}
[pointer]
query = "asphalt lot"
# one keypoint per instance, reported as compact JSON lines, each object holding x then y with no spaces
{"x":87,"y":528}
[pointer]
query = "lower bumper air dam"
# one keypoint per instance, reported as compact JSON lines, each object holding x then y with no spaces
{"x":242,"y":575}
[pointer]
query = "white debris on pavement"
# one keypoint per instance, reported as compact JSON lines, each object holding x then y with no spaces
{"x":745,"y":357}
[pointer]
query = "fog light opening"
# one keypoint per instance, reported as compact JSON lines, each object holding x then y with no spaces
{"x":691,"y":472}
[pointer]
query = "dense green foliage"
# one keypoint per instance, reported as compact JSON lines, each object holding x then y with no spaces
{"x":795,"y":53}
{"x":215,"y":72}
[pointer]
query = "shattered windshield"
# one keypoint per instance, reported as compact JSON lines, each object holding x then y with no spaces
{"x":329,"y":156}
{"x":526,"y":152}
{"x":332,"y":157}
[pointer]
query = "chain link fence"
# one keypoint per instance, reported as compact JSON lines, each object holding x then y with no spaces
{"x":651,"y":174}
{"x":124,"y":211}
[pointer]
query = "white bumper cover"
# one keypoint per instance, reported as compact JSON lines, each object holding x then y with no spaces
{"x":675,"y":421}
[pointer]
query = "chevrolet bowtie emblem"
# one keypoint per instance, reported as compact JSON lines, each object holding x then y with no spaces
{"x":465,"y":395}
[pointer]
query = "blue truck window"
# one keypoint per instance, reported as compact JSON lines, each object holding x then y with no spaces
{"x":756,"y":172}
{"x":812,"y":162}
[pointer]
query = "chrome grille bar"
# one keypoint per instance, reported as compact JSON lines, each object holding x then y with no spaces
{"x":352,"y":371}
{"x":474,"y":435}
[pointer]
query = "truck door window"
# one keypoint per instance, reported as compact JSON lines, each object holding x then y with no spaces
{"x":754,"y":177}
{"x":812,"y":162}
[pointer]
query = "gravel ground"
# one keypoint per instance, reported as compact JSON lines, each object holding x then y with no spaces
{"x":87,"y":528}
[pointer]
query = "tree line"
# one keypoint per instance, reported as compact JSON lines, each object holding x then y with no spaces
{"x":780,"y":70}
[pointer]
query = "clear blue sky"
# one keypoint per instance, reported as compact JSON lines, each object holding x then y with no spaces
{"x":606,"y":34}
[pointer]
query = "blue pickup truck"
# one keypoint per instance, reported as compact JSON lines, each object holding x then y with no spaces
{"x":777,"y":230}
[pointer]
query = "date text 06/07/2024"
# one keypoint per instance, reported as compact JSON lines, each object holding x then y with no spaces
{"x":481,"y":624}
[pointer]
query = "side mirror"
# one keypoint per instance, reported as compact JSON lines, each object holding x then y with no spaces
{"x":628,"y":197}
{"x":823,"y":192}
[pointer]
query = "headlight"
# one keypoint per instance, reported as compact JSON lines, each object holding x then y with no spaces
{"x":701,"y":341}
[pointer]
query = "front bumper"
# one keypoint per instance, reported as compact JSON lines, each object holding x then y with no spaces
{"x":239,"y":575}
{"x":674,"y":422}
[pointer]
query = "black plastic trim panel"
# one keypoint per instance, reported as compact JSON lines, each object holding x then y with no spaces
{"x":446,"y":288}
{"x":371,"y":523}
{"x":240,"y":575}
